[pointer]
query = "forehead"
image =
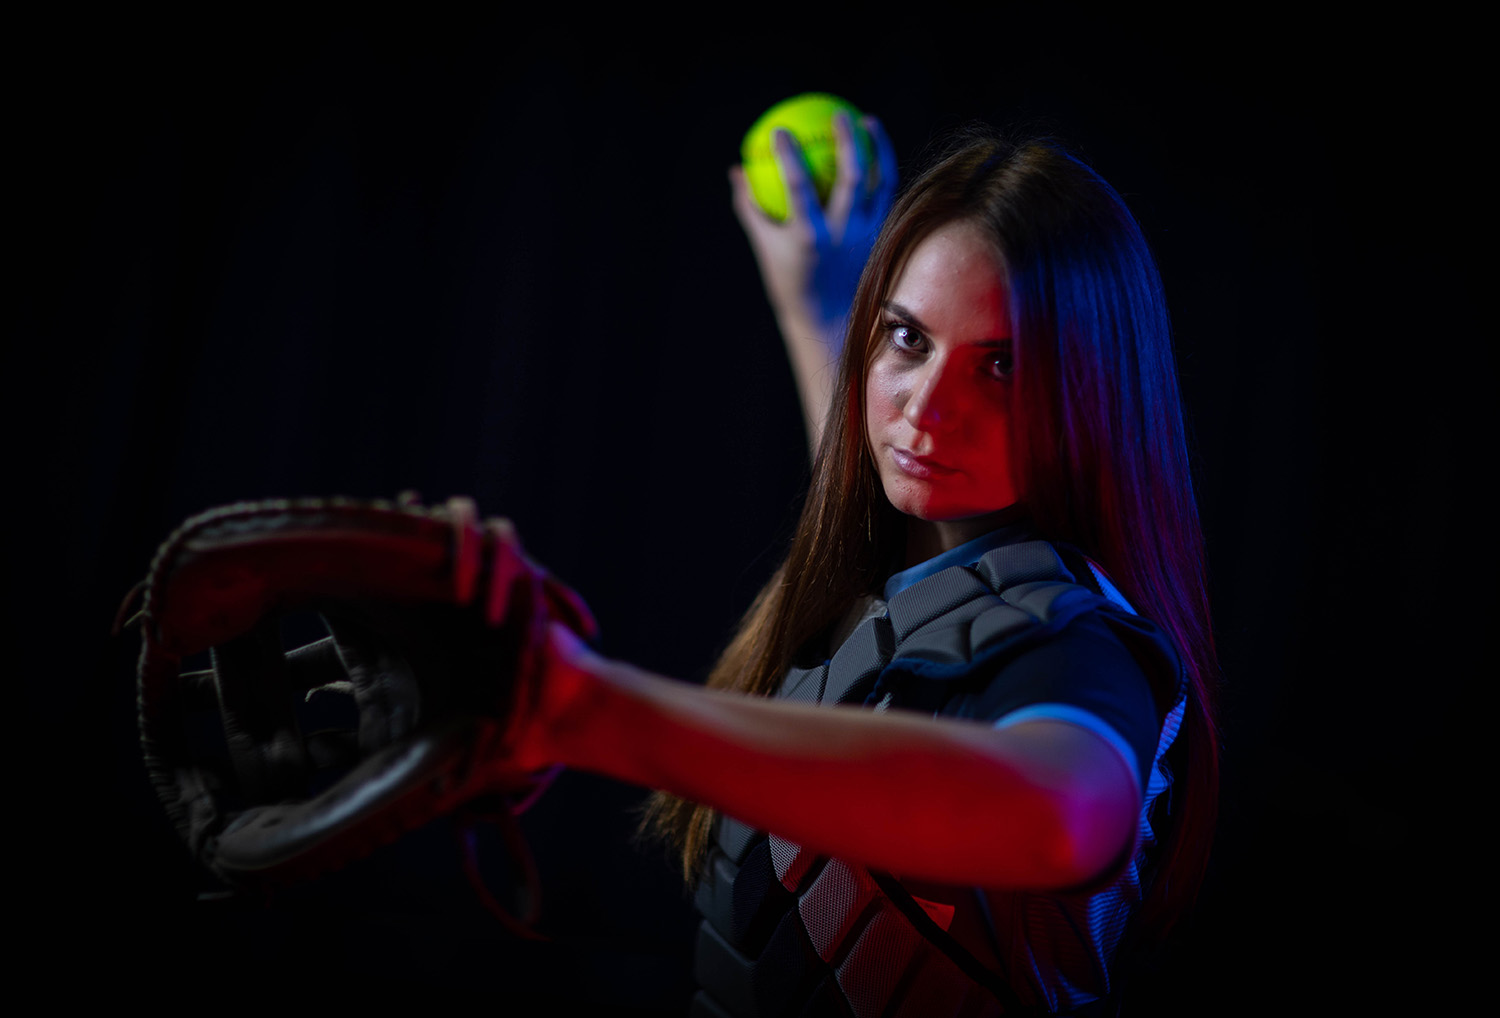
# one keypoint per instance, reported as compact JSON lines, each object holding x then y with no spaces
{"x":954,"y":271}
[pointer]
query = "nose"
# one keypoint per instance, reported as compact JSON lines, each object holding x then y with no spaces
{"x":932,"y":403}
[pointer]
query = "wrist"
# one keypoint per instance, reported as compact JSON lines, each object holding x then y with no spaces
{"x":559,"y":703}
{"x":802,"y":326}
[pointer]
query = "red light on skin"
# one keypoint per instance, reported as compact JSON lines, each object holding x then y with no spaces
{"x":938,"y":395}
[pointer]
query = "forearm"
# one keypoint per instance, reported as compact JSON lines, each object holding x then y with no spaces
{"x":812,"y":348}
{"x":951,"y":801}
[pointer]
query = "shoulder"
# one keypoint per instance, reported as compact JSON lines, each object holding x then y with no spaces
{"x":966,"y":620}
{"x":1022,"y":632}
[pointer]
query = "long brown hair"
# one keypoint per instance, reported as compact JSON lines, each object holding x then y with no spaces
{"x":1099,"y":445}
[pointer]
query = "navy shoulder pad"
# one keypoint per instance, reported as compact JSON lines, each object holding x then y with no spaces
{"x":957,"y":623}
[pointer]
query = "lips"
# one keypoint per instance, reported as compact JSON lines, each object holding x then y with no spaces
{"x":921,"y":467}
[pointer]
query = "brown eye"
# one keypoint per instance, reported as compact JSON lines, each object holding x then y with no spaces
{"x":1003,"y":363}
{"x":904,"y":337}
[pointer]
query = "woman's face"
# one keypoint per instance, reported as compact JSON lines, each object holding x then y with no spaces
{"x":938,"y":396}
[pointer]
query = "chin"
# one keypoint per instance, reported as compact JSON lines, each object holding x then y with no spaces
{"x":921,"y":501}
{"x":936,"y":513}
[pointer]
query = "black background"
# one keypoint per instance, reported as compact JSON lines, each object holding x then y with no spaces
{"x":267,"y":256}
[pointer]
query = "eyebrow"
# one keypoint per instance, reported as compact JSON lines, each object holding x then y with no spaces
{"x":904,"y":313}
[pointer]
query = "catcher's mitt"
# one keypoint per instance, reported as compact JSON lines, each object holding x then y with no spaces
{"x":437,"y":625}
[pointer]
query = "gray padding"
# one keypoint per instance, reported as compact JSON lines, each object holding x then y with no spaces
{"x":945,"y":621}
{"x":934,"y":598}
{"x":858,"y":662}
{"x":1001,"y":623}
{"x":1017,"y":563}
{"x":804,"y":685}
{"x":734,"y":837}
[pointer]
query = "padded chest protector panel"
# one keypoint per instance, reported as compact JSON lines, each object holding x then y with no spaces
{"x":788,"y":933}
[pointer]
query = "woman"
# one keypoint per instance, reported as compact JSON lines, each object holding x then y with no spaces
{"x":1001,"y":486}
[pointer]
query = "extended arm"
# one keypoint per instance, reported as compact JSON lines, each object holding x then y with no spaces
{"x":1041,"y":804}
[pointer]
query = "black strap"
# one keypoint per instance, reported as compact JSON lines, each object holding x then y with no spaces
{"x":945,"y":942}
{"x":1105,"y":1007}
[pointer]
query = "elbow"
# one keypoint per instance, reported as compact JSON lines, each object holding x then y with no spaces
{"x":1081,"y":802}
{"x":1088,"y":837}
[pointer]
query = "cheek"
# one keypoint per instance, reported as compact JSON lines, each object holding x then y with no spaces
{"x":997,"y":435}
{"x":882,"y":401}
{"x":1000,"y":453}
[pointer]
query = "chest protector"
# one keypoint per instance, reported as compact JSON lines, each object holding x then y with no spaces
{"x":785,"y":932}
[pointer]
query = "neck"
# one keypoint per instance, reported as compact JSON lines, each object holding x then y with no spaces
{"x":926,"y":538}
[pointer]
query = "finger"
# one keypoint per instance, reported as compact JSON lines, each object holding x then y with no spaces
{"x":850,"y":181}
{"x":759,"y":227}
{"x":507,"y":566}
{"x":886,"y":171}
{"x":746,"y":210}
{"x":801,"y":197}
{"x":466,"y":547}
{"x":566,"y":606}
{"x":850,"y":146}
